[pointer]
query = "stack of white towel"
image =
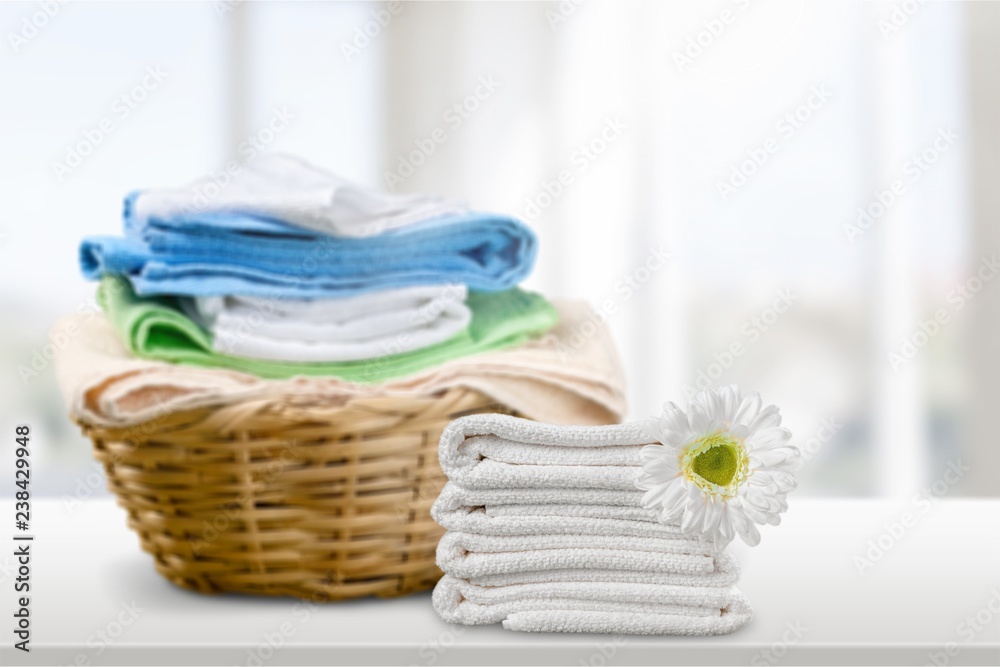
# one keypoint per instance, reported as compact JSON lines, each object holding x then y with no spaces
{"x":359,"y":327}
{"x":547,"y":533}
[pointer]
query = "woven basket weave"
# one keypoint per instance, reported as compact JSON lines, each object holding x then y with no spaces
{"x":323,"y":502}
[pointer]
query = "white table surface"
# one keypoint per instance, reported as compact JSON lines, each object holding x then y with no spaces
{"x":904,"y":609}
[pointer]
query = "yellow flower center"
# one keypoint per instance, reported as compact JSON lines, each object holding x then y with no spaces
{"x":717,"y":463}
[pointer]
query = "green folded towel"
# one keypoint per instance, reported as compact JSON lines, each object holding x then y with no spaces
{"x":155,"y":328}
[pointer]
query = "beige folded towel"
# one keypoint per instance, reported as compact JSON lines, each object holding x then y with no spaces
{"x":572,"y":375}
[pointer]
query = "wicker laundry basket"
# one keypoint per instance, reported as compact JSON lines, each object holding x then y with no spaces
{"x":323,"y":502}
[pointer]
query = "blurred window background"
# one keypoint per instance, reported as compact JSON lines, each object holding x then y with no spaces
{"x":821,"y":179}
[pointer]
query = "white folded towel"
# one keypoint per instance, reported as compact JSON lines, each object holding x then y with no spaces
{"x":581,"y":511}
{"x":621,"y":608}
{"x":457,"y":510}
{"x":729,"y":619}
{"x":500,"y":452}
{"x":293,"y":191}
{"x":547,"y":533}
{"x":349,"y":329}
{"x":454,"y":496}
{"x":467,"y":556}
{"x":728,"y":575}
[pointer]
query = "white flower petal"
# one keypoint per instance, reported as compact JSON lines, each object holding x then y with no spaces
{"x":774,"y":480}
{"x":766,"y":418}
{"x":755,"y":514}
{"x":761,"y":477}
{"x":676,"y":494}
{"x":785,"y":481}
{"x":726,"y":529}
{"x":672,"y":515}
{"x":712,"y":403}
{"x":737,"y":515}
{"x":651,"y":427}
{"x":673,"y":438}
{"x":750,"y":534}
{"x":713,"y":515}
{"x":693,"y":513}
{"x":772,"y":436}
{"x":749,"y":407}
{"x":662,"y":494}
{"x":654,"y":454}
{"x":699,"y":418}
{"x":730,"y":396}
{"x":739,"y":431}
{"x":674,"y":419}
{"x":659,"y":463}
{"x":767,"y":458}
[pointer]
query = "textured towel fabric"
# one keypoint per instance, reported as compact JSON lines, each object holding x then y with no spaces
{"x":233,"y":253}
{"x":638,"y":609}
{"x":454,"y":497}
{"x":155,"y":328}
{"x":348,"y":329}
{"x":726,"y":577}
{"x":500,"y":453}
{"x":470,"y":442}
{"x":454,"y":512}
{"x":697,"y":556}
{"x":468,"y":555}
{"x":547,"y":533}
{"x":556,"y":378}
{"x":283,"y":187}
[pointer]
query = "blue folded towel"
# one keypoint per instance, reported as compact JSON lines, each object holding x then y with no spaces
{"x":219,"y":253}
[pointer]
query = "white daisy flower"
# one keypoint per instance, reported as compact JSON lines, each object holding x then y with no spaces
{"x":720,"y":468}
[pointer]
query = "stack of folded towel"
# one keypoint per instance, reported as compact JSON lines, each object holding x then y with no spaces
{"x":547,"y":532}
{"x":291,"y":272}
